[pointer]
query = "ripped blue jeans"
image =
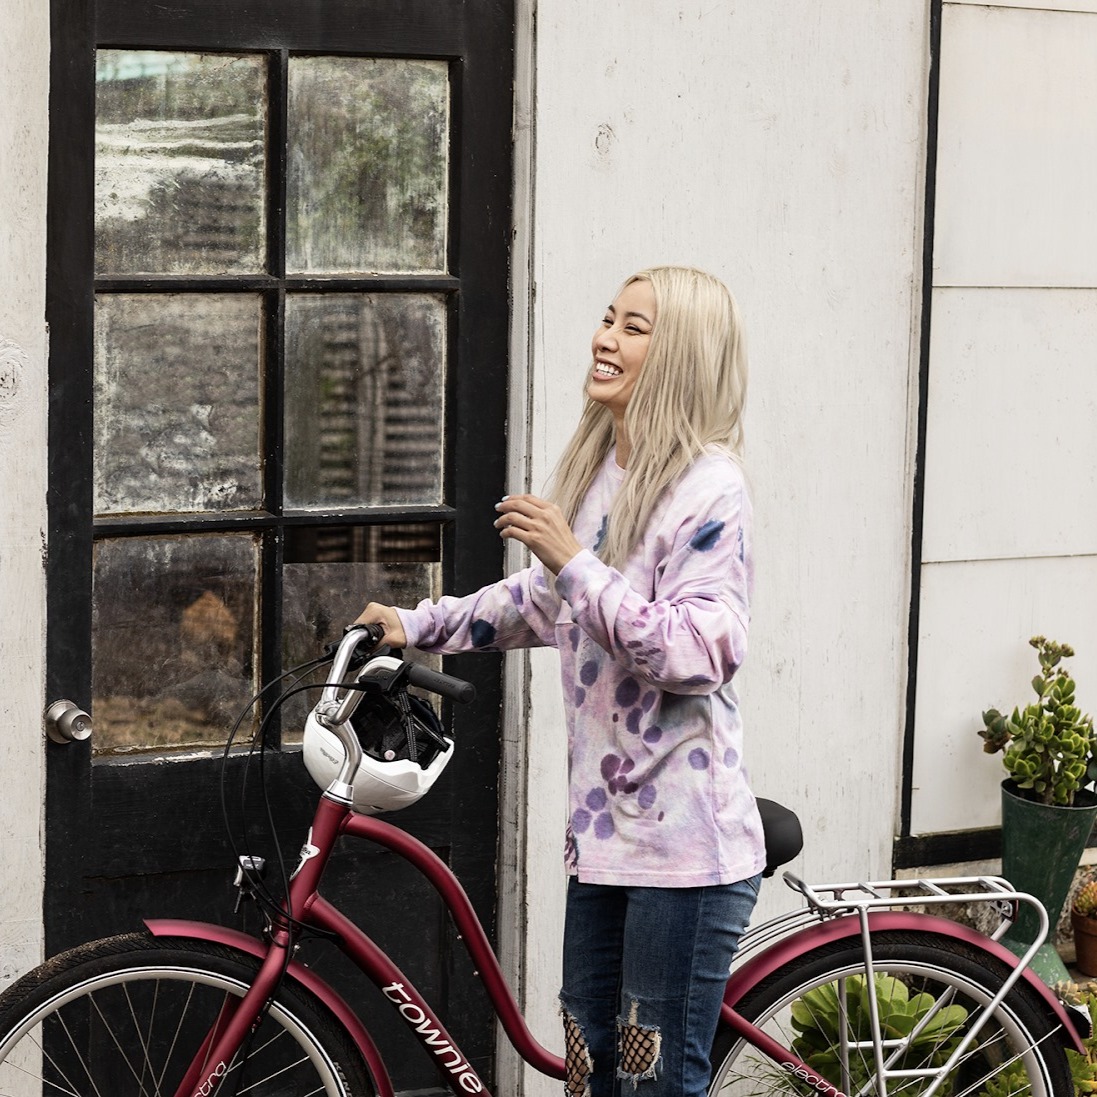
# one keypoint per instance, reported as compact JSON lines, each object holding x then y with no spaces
{"x":644,"y":976}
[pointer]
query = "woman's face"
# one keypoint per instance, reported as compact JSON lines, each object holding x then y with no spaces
{"x":620,"y":346}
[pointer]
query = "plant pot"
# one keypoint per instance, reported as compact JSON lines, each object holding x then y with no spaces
{"x":1041,"y":847}
{"x":1085,"y":942}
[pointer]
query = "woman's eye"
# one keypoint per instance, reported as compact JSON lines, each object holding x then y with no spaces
{"x":634,"y":329}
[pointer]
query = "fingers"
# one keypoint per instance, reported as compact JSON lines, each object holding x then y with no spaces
{"x":527,"y":512}
{"x":388,"y":618}
{"x":540,"y":526}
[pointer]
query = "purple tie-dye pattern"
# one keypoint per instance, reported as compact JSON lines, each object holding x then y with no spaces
{"x":647,"y":656}
{"x":609,"y":766}
{"x":698,"y":758}
{"x":628,"y":692}
{"x":706,"y":538}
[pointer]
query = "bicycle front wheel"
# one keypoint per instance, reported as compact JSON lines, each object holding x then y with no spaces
{"x":126,"y":1015}
{"x":930,"y":991}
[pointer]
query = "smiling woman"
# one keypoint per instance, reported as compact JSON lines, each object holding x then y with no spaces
{"x":642,"y":582}
{"x":620,"y":347}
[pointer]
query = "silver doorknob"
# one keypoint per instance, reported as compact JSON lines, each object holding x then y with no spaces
{"x":67,"y":722}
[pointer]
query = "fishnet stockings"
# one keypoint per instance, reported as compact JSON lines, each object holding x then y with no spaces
{"x":576,"y":1059}
{"x":639,"y":1049}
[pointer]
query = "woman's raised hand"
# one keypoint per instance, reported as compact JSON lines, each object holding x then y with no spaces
{"x":388,"y":618}
{"x":540,"y":526}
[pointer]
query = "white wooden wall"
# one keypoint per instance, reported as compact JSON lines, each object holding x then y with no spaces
{"x":1010,"y":543}
{"x":24,"y":30}
{"x":779,"y":145}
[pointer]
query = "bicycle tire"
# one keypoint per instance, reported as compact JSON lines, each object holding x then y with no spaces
{"x":1020,"y":1051}
{"x":125,"y":1015}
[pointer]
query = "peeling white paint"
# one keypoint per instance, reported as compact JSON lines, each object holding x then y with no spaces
{"x":13,"y":368}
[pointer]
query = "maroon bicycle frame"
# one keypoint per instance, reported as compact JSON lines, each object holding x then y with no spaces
{"x":333,"y":820}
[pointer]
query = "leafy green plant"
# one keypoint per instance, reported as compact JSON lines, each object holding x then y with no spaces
{"x":1049,"y":745}
{"x":818,"y":1018}
{"x":1011,"y":1082}
{"x":1083,"y":1067}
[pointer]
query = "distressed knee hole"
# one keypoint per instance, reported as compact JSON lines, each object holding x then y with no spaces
{"x":577,"y":1060}
{"x":638,"y":1048}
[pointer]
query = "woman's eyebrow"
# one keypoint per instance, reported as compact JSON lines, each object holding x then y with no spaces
{"x":638,"y":315}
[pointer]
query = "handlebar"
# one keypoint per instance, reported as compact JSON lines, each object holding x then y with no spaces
{"x":456,"y":689}
{"x":337,"y":704}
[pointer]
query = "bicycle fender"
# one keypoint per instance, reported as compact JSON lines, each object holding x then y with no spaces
{"x":305,"y":977}
{"x":798,"y":944}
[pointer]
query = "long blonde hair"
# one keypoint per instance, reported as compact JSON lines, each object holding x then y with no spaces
{"x":689,"y":395}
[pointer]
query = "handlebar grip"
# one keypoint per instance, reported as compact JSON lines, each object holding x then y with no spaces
{"x":454,"y":688}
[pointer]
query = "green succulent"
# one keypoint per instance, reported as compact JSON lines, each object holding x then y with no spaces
{"x":818,"y":1016}
{"x":1083,"y":1067}
{"x":1011,"y":1082}
{"x":1049,"y":746}
{"x":1085,"y":902}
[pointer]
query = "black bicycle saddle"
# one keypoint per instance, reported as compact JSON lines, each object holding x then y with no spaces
{"x":784,"y":838}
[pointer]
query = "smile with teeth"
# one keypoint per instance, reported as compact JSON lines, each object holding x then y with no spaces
{"x":605,"y":369}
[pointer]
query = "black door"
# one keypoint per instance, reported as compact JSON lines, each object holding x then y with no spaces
{"x":277,"y":300}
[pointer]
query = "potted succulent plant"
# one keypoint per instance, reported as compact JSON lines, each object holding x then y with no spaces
{"x":1083,"y":920}
{"x":1048,"y":807}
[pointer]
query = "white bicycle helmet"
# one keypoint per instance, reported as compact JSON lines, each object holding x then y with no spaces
{"x":404,"y":748}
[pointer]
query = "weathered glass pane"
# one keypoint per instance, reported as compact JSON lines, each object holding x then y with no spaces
{"x":365,"y":376}
{"x":177,"y":403}
{"x":368,"y":153}
{"x":179,"y":162}
{"x":329,"y":576}
{"x":173,"y":631}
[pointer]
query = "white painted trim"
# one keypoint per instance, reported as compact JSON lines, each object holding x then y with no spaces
{"x":512,"y":910}
{"x":1031,"y":5}
{"x":24,"y":162}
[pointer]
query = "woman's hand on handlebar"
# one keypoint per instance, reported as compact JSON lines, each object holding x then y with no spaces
{"x":388,"y":619}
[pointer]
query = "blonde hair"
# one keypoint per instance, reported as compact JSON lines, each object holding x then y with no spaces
{"x":689,"y":395}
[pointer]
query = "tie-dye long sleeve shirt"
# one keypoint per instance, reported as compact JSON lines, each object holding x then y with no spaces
{"x":658,"y":796}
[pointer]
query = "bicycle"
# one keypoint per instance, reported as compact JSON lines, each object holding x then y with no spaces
{"x":852,"y":993}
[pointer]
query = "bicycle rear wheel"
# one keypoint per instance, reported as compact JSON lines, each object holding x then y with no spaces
{"x":818,"y":1008}
{"x":125,"y":1016}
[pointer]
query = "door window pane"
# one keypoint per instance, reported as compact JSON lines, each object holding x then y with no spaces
{"x":179,"y":163}
{"x":177,"y":403}
{"x":329,"y":576}
{"x":365,"y":376}
{"x":367,"y":165}
{"x":173,"y":625}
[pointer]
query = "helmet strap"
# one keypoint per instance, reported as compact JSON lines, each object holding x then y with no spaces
{"x":404,"y":705}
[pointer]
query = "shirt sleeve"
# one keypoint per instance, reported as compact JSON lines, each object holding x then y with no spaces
{"x":691,"y":635}
{"x":517,"y":612}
